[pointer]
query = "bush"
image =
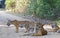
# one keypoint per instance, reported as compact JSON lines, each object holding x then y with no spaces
{"x":10,"y":4}
{"x":46,"y":9}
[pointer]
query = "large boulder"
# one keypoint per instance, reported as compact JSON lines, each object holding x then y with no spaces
{"x":51,"y":27}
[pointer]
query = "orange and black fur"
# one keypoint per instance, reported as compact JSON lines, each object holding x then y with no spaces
{"x":41,"y":31}
{"x":17,"y":24}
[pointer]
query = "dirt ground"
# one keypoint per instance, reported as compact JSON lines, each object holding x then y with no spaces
{"x":9,"y":32}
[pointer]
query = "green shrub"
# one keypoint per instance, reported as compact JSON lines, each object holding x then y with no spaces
{"x":48,"y":9}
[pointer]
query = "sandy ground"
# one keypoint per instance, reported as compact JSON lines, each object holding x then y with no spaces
{"x":9,"y":32}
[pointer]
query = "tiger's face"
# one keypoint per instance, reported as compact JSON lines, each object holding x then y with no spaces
{"x":9,"y":22}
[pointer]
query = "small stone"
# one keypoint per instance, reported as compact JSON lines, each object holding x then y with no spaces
{"x":58,"y":31}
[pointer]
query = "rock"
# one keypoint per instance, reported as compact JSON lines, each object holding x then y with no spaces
{"x":58,"y":31}
{"x":51,"y":27}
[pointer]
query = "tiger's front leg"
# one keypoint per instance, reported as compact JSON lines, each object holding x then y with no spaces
{"x":17,"y":28}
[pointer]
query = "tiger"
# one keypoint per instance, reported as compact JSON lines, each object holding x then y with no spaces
{"x":41,"y":31}
{"x":27,"y":24}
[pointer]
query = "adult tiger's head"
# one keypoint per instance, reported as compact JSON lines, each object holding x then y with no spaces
{"x":9,"y":22}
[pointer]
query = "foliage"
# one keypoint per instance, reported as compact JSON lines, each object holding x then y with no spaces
{"x":48,"y":9}
{"x":10,"y":4}
{"x":17,"y":5}
{"x":58,"y":21}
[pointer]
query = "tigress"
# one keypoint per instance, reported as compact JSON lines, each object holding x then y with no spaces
{"x":26,"y":24}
